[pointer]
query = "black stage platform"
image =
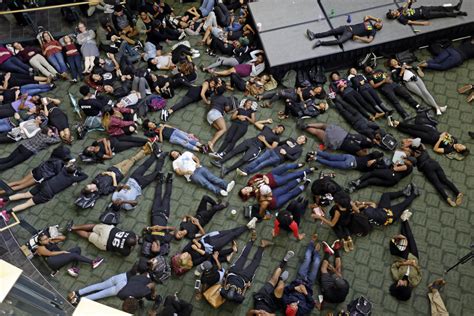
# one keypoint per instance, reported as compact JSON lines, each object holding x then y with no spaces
{"x":282,"y":26}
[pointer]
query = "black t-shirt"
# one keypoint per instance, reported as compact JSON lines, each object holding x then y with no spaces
{"x":220,"y":103}
{"x":101,"y":151}
{"x":412,"y":14}
{"x":166,"y":132}
{"x":322,"y":187}
{"x":190,"y":228}
{"x":377,"y":76}
{"x":90,"y":107}
{"x":137,"y":287}
{"x":293,"y":152}
{"x":244,"y":112}
{"x":47,"y":169}
{"x":270,"y":136}
{"x":105,"y":183}
{"x":361,"y":162}
{"x":376,"y":215}
{"x":364,"y":29}
{"x":116,"y":241}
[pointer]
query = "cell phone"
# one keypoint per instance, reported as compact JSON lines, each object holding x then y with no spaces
{"x":197,"y":285}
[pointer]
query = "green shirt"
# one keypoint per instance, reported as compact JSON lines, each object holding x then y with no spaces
{"x":398,"y":271}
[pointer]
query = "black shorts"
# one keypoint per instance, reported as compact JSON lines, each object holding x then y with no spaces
{"x":264,"y":299}
{"x":37,"y":175}
{"x":41,"y":194}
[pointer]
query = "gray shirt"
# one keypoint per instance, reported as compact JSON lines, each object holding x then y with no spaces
{"x":128,"y":194}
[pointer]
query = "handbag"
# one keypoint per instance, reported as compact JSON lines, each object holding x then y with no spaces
{"x":213,"y":295}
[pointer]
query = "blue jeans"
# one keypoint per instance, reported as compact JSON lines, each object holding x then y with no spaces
{"x":286,"y":192}
{"x":184,"y":139}
{"x":308,"y":270}
{"x":208,"y":180}
{"x":75,"y":64}
{"x":339,"y":161}
{"x":125,"y":50}
{"x":5,"y":125}
{"x":447,"y":59}
{"x":14,"y":64}
{"x":109,"y":287}
{"x":206,"y":7}
{"x":150,"y":50}
{"x":34,"y":88}
{"x":57,"y":60}
{"x":267,"y":159}
{"x":281,"y":176}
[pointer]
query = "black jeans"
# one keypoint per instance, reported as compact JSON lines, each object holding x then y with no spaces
{"x":435,"y":12}
{"x":139,"y":173}
{"x":174,"y":306}
{"x":74,"y":256}
{"x":379,"y":177}
{"x":343,"y":32}
{"x":356,"y":100}
{"x":252,"y":149}
{"x":205,"y":213}
{"x":124,"y":142}
{"x":236,"y":131}
{"x":397,"y":209}
{"x":20,"y":154}
{"x":222,"y":15}
{"x":436,"y":176}
{"x":428,"y":133}
{"x":224,"y":237}
{"x":355,"y":119}
{"x":160,"y":210}
{"x":217,"y":45}
{"x":247,"y":272}
{"x":6,"y":110}
{"x":371,"y":96}
{"x":392,"y":90}
{"x":405,"y":230}
{"x":237,"y":82}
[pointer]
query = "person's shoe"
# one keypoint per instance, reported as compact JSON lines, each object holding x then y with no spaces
{"x":345,"y":245}
{"x":415,"y":190}
{"x":6,"y":217}
{"x":470,"y":97}
{"x":336,"y":245}
{"x":443,"y":108}
{"x":457,"y":7}
{"x":406,"y":215}
{"x":451,"y":202}
{"x":253,"y":235}
{"x":462,"y":13}
{"x":471,"y":134}
{"x":317,"y":44}
{"x":390,"y":121}
{"x":73,"y":298}
{"x":97,"y":262}
{"x":350,"y":244}
{"x":224,"y":171}
{"x":289,"y":254}
{"x":284,"y":276}
{"x":252,"y":223}
{"x":74,"y":272}
{"x":437,"y":284}
{"x":459,"y":198}
{"x":241,"y":172}
{"x":69,"y":225}
{"x":408,"y":190}
{"x":300,"y":124}
{"x":215,"y":156}
{"x":438,"y":111}
{"x":465,"y":88}
{"x":159,"y":177}
{"x":224,"y":193}
{"x":182,"y":35}
{"x":420,"y":72}
{"x":265,"y":243}
{"x":327,"y":249}
{"x":164,"y":115}
{"x":169,"y":177}
{"x":216,"y":163}
{"x":310,"y":34}
{"x":300,"y":165}
{"x":230,"y":186}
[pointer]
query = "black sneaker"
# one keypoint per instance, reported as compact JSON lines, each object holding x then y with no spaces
{"x":301,"y":124}
{"x":159,"y":177}
{"x":69,"y":225}
{"x":317,"y":44}
{"x":169,"y":177}
{"x":310,"y":34}
{"x":216,"y":164}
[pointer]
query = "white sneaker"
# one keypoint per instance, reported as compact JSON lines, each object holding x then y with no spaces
{"x":443,"y":108}
{"x":194,"y":56}
{"x":224,"y":193}
{"x":240,"y":172}
{"x":183,"y":35}
{"x":438,"y":111}
{"x":230,"y":186}
{"x":252,"y":224}
{"x":406,"y":215}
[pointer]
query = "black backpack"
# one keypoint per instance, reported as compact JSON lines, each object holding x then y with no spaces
{"x":110,"y":216}
{"x":316,"y":75}
{"x":162,"y":271}
{"x":360,"y":307}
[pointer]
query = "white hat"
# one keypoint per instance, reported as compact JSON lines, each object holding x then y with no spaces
{"x":265,"y":189}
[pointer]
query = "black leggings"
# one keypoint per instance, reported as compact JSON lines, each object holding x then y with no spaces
{"x":371,"y":96}
{"x":238,"y":267}
{"x":18,"y":80}
{"x":6,"y":110}
{"x":224,"y":237}
{"x":392,"y":90}
{"x":20,"y":154}
{"x":343,"y":32}
{"x":218,"y":45}
{"x":380,"y":177}
{"x":356,"y":100}
{"x":234,"y":133}
{"x":397,"y":210}
{"x":4,"y":139}
{"x":436,"y":176}
{"x":204,"y":213}
{"x":405,"y":230}
{"x":74,"y":256}
{"x":251,"y":149}
{"x":297,"y":208}
{"x":236,"y":81}
{"x":124,"y":142}
{"x":190,"y":97}
{"x":139,"y":173}
{"x":222,"y":15}
{"x":428,"y":133}
{"x":355,"y":119}
{"x":160,"y":210}
{"x":435,"y":12}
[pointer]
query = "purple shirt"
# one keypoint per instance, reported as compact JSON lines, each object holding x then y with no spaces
{"x":16,"y":104}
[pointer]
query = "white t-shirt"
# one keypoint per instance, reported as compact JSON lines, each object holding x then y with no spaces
{"x":163,"y":61}
{"x":130,"y":99}
{"x":185,"y":163}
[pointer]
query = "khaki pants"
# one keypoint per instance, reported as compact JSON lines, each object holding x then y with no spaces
{"x":40,"y":63}
{"x":437,"y":304}
{"x":127,"y":164}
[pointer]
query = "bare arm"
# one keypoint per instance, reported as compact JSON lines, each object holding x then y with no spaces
{"x":436,"y":147}
{"x":420,"y":23}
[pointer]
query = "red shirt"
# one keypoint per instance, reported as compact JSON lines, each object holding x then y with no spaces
{"x":53,"y":50}
{"x":293,"y":226}
{"x":71,"y":50}
{"x":4,"y":57}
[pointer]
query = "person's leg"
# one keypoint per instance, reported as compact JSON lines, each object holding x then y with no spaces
{"x":305,"y":266}
{"x":225,"y":237}
{"x":436,"y":12}
{"x":36,"y":63}
{"x":185,"y":101}
{"x":426,"y":94}
{"x":215,"y":180}
{"x":61,"y":63}
{"x":108,"y":288}
{"x":236,"y":136}
{"x":242,"y":147}
{"x":406,"y":231}
{"x":73,"y":67}
{"x":249,"y":271}
{"x":47,"y":65}
{"x":283,"y":168}
{"x":333,"y":32}
{"x":238,"y":266}
{"x":388,"y":90}
{"x":268,"y":158}
{"x":344,"y":37}
{"x":437,"y":305}
{"x":199,"y":177}
{"x":221,"y":128}
{"x":413,"y":88}
{"x":252,"y":153}
{"x":13,"y":64}
{"x":287,"y":192}
{"x":17,"y":156}
{"x":398,"y":209}
{"x":127,"y":164}
{"x":145,"y":180}
{"x":313,"y":273}
{"x":54,"y":62}
{"x":290,"y":176}
{"x":432,"y":176}
{"x":403,"y":93}
{"x":444,"y":179}
{"x":421,"y":131}
{"x":228,"y":138}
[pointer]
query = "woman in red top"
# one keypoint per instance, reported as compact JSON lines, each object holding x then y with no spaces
{"x":52,"y":50}
{"x":8,"y":62}
{"x":73,"y":58}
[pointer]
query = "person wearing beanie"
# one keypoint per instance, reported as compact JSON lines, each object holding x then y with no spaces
{"x":266,"y":300}
{"x":333,"y":285}
{"x":298,"y":295}
{"x":405,"y":270}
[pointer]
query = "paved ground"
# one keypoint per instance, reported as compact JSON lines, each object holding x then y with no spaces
{"x":443,"y":233}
